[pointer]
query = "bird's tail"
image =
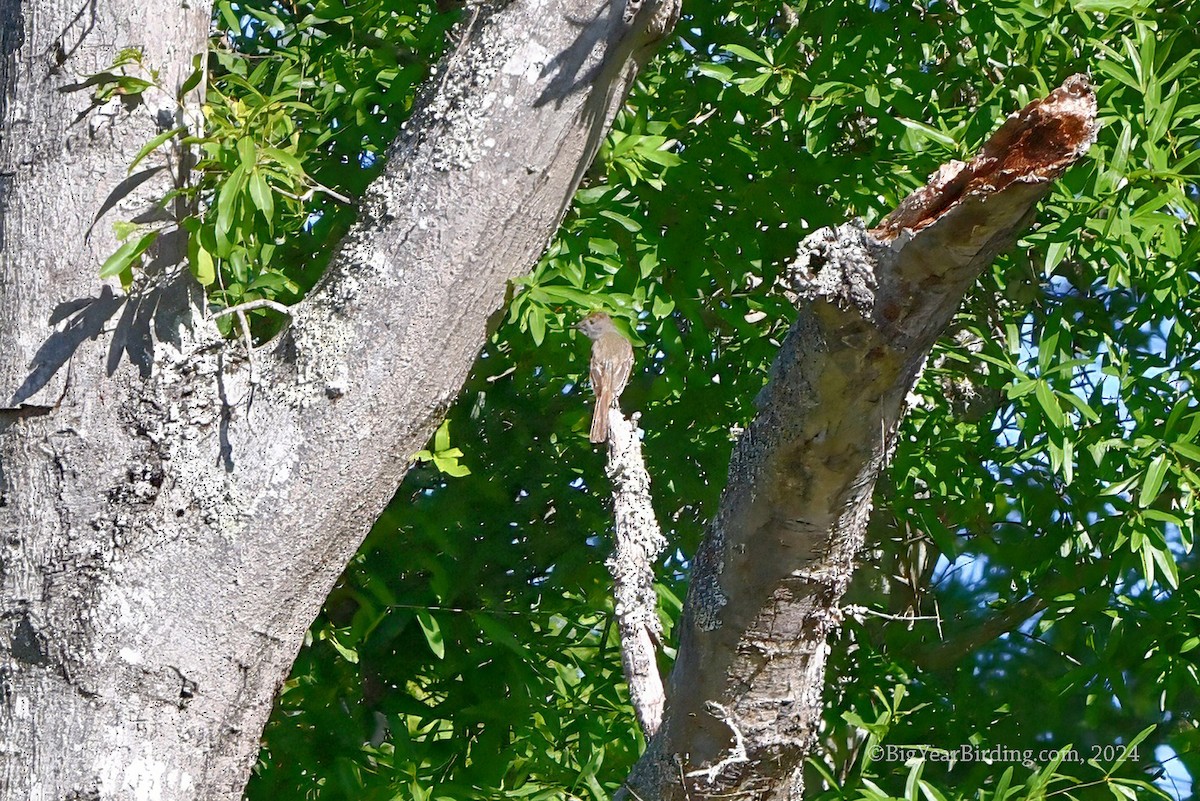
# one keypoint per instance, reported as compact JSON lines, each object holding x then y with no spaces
{"x":600,"y":418}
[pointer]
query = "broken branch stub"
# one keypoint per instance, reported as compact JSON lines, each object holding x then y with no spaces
{"x":1033,"y":146}
{"x":769,"y":576}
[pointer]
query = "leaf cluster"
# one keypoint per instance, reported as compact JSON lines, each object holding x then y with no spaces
{"x":300,"y":103}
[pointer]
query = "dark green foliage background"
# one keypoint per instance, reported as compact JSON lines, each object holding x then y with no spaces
{"x":1042,"y":497}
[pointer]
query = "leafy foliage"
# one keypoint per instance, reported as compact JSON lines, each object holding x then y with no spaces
{"x":301,"y":103}
{"x":1042,"y":500}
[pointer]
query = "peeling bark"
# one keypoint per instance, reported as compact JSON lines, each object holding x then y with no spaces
{"x":744,"y":700}
{"x":170,"y":528}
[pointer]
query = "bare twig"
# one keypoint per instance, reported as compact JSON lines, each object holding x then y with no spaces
{"x":312,"y":190}
{"x":859,"y":612}
{"x":737,"y":754}
{"x":245,"y":325}
{"x":252,"y":305}
{"x":240,"y":310}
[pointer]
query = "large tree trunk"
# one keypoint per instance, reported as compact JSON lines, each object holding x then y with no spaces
{"x":167,"y":537}
{"x":744,"y":701}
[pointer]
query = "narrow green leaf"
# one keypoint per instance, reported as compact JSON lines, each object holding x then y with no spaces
{"x":1049,"y":403}
{"x":227,"y":197}
{"x":432,"y":632}
{"x":911,"y":792}
{"x":260,"y":193}
{"x":930,"y":792}
{"x":1152,"y":482}
{"x":625,"y":222}
{"x":1079,"y":403}
{"x":928,"y":132}
{"x":1003,"y":785}
{"x":230,"y":18}
{"x":153,"y":144}
{"x":746,"y":53}
{"x":1166,"y":564}
{"x":1187,"y":450}
{"x":124,"y":256}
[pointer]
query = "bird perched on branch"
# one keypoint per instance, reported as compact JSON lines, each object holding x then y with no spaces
{"x":612,"y":362}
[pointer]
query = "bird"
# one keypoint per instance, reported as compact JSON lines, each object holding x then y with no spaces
{"x":612,"y":362}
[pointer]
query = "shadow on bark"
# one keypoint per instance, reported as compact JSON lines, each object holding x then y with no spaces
{"x":147,"y":315}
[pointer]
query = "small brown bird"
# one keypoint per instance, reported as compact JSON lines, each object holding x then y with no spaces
{"x":612,"y":362}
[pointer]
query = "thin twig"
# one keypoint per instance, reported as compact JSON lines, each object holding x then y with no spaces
{"x":251,"y":305}
{"x":737,"y":754}
{"x":859,"y":612}
{"x":241,"y":315}
{"x":312,"y":190}
{"x":240,"y":310}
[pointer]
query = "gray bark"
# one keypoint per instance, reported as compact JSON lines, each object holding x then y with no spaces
{"x":168,"y":534}
{"x":744,"y":700}
{"x":637,"y":543}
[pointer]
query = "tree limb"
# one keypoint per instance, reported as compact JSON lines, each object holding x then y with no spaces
{"x":638,"y":543}
{"x":778,"y":556}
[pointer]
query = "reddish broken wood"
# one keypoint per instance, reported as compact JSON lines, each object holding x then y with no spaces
{"x":1034,"y":145}
{"x":744,"y":700}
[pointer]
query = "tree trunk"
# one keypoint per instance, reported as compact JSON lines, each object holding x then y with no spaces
{"x":744,"y":700}
{"x":171,"y":529}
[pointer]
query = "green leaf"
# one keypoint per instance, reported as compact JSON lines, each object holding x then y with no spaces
{"x":722,"y":72}
{"x":1152,"y":482}
{"x":447,"y":463}
{"x":1187,"y":449}
{"x":1003,"y":785}
{"x":1049,"y":403}
{"x":230,"y":18}
{"x":286,"y":160}
{"x":203,"y":268}
{"x":536,"y":316}
{"x":432,"y":632}
{"x":349,"y":654}
{"x":192,"y":80}
{"x":754,"y":85}
{"x":502,"y":635}
{"x":625,"y":222}
{"x":262,"y":196}
{"x":1167,"y":566}
{"x":928,"y":132}
{"x":153,"y":145}
{"x":746,"y":53}
{"x":911,"y":783}
{"x":1107,"y":6}
{"x":247,"y":152}
{"x":441,"y":438}
{"x":125,"y":255}
{"x":227,"y":197}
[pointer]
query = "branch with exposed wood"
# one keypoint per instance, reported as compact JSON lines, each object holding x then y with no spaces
{"x":770,"y":574}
